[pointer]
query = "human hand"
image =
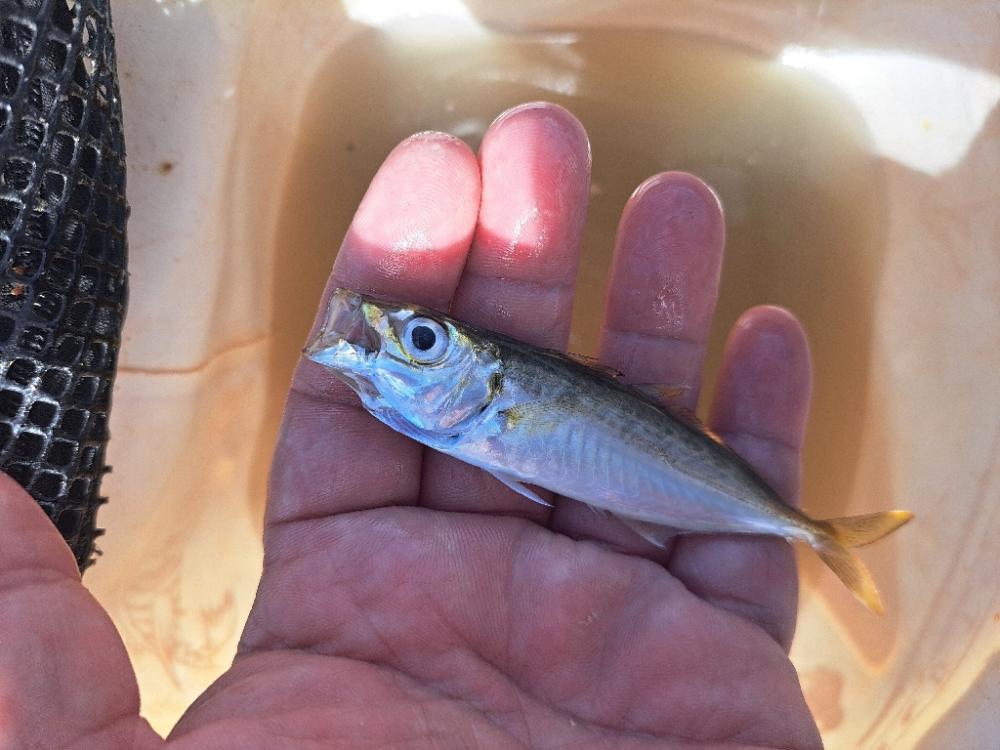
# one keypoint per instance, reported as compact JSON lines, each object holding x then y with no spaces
{"x":409,"y":600}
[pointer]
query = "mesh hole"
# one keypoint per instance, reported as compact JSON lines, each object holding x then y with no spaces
{"x":26,"y":262}
{"x":42,"y":95}
{"x":72,"y":111}
{"x":63,"y":17}
{"x":96,"y":356}
{"x":120,"y":213}
{"x":53,"y":187}
{"x":88,"y":458}
{"x":54,"y":58}
{"x":106,"y":321}
{"x":29,"y":446}
{"x":34,"y":339}
{"x":9,"y":211}
{"x":80,"y":77}
{"x":61,"y":453}
{"x":10,"y":77}
{"x":42,"y":414}
{"x":39,"y":225}
{"x":85,"y":391}
{"x":111,"y":286}
{"x":49,"y":485}
{"x":21,"y":371}
{"x":116,"y":249}
{"x":29,"y":133}
{"x":103,"y":393}
{"x":89,"y":62}
{"x":99,"y":428}
{"x":69,"y":349}
{"x":55,"y":382}
{"x":47,"y":305}
{"x":79,"y":315}
{"x":12,"y":296}
{"x":80,"y":200}
{"x":87,"y":283}
{"x":6,"y":432}
{"x":95,"y":245}
{"x":60,"y":273}
{"x":102,"y":208}
{"x":10,"y":403}
{"x":6,"y":327}
{"x":89,"y":159}
{"x":95,"y":125}
{"x":69,"y":522}
{"x":16,"y":174}
{"x":16,"y":36}
{"x":79,"y":489}
{"x":73,"y":422}
{"x":63,"y":146}
{"x":74,"y":234}
{"x":20,"y":473}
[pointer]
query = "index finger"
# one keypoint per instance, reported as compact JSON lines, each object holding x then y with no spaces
{"x":408,"y":240}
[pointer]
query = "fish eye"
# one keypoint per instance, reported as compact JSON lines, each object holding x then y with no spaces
{"x":425,"y":340}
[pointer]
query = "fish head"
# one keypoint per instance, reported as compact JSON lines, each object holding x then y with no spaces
{"x":414,"y":368}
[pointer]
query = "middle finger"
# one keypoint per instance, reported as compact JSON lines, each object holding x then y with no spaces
{"x":521,"y":271}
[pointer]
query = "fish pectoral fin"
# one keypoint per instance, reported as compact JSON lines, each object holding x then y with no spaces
{"x":515,"y":484}
{"x":654,"y":533}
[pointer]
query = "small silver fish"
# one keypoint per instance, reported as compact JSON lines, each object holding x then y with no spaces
{"x":536,"y":416}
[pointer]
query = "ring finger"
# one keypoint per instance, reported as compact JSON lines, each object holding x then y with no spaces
{"x":664,"y":285}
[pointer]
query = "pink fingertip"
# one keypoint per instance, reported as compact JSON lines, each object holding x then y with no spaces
{"x":413,"y":227}
{"x":536,"y":179}
{"x":766,"y":378}
{"x":668,"y":259}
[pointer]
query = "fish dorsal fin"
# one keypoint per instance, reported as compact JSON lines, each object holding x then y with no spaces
{"x":664,"y":394}
{"x":591,"y":363}
{"x":688,"y":417}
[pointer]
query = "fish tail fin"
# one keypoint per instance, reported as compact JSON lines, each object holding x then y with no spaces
{"x":837,"y":535}
{"x":857,"y":531}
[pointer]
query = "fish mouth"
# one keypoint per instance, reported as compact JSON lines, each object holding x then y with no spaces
{"x":347,"y":331}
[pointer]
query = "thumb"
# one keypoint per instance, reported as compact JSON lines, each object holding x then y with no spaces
{"x":65,"y":679}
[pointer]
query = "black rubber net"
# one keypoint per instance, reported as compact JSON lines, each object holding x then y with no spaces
{"x":63,"y":247}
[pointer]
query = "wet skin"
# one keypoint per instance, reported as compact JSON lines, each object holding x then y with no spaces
{"x":410,"y":601}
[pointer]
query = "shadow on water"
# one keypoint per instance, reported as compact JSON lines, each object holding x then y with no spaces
{"x":804,"y":197}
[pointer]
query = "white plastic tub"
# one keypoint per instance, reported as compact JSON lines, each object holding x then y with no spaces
{"x":855,"y":147}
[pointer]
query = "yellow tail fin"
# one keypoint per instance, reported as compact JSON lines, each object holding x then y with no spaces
{"x":839,"y":534}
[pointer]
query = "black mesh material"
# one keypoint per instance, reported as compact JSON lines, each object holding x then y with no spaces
{"x":63,"y":249}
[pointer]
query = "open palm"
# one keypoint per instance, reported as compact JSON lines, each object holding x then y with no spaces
{"x":409,"y":601}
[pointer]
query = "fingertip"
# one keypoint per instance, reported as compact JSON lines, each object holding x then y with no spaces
{"x":762,"y":393}
{"x":560,"y":126}
{"x":773,"y":317}
{"x":535,"y":161}
{"x":412,"y":230}
{"x":424,"y":197}
{"x":767,"y":360}
{"x":683,"y":190}
{"x":535,"y":165}
{"x":666,"y":266}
